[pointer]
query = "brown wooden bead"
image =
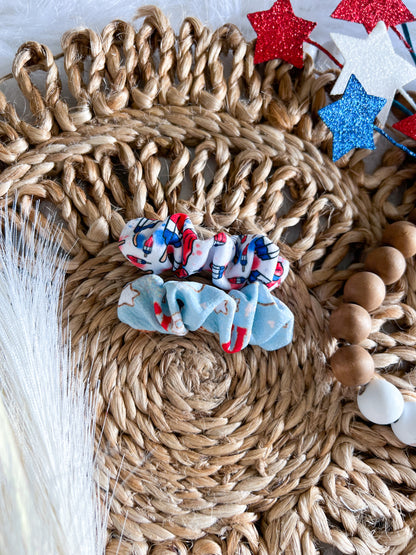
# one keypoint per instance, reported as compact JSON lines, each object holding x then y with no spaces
{"x":386,"y":262}
{"x":412,"y":216}
{"x":366,"y":289}
{"x":352,"y":365}
{"x":402,"y":236}
{"x":350,"y":322}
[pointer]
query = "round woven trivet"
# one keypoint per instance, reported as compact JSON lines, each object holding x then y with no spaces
{"x":208,"y":453}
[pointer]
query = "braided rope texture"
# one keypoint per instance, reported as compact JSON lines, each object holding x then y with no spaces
{"x":208,"y":453}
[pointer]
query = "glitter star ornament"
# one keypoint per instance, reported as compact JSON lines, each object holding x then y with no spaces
{"x":375,"y":64}
{"x":280,"y":34}
{"x":351,"y":119}
{"x":407,"y":126}
{"x":370,"y":12}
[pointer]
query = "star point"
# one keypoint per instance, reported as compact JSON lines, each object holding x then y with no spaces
{"x":369,"y":13}
{"x":407,"y":126}
{"x":375,"y":64}
{"x":280,"y":34}
{"x":351,"y":119}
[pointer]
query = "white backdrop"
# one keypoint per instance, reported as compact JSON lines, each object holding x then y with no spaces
{"x":46,"y":20}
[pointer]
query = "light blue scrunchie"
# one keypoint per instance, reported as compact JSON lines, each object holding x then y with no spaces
{"x":251,"y":315}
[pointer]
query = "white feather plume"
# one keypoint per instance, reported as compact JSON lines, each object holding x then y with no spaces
{"x":49,"y":501}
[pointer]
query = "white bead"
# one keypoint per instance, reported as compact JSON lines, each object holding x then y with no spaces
{"x":380,"y":402}
{"x":405,"y":427}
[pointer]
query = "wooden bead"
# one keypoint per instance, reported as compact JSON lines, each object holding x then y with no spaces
{"x":366,"y":289}
{"x":412,"y":216}
{"x":402,"y":236}
{"x":387,"y":262}
{"x":350,"y":322}
{"x":405,"y":427}
{"x":352,"y":365}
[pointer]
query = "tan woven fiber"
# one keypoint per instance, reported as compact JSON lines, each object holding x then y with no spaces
{"x":206,"y":453}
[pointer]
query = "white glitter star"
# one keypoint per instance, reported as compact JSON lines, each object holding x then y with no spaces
{"x":375,"y":64}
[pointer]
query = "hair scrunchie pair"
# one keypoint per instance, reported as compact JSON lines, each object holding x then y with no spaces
{"x":248,"y":265}
{"x":173,"y":244}
{"x":248,"y":316}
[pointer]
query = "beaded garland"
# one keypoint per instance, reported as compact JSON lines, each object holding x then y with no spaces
{"x":378,"y":400}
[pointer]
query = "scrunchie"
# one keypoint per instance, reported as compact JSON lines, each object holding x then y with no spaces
{"x":249,"y":316}
{"x":172,"y":244}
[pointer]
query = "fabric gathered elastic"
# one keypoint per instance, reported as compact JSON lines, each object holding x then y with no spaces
{"x":251,"y":315}
{"x":156,"y":246}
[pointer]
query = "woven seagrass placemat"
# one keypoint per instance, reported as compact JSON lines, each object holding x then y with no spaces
{"x":205,"y":452}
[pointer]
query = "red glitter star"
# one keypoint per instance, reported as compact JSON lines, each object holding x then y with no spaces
{"x":370,"y":12}
{"x":407,"y":126}
{"x":280,"y":34}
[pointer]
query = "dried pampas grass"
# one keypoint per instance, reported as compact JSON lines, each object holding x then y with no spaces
{"x":49,"y":500}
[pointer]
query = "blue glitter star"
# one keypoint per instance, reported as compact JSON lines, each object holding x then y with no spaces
{"x":351,"y":119}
